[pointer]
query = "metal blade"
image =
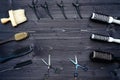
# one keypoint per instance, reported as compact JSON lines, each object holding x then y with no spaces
{"x":44,"y":61}
{"x":49,"y":60}
{"x":76,"y":60}
{"x":72,"y":61}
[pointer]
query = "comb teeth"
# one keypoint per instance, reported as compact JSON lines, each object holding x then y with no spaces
{"x":102,"y":55}
{"x":99,"y":37}
{"x":100,"y":17}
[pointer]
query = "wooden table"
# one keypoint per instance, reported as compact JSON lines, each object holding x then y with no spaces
{"x":62,"y":38}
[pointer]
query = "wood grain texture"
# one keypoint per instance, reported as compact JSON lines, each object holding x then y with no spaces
{"x":61,"y":38}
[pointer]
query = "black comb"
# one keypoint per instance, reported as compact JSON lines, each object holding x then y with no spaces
{"x":19,"y":65}
{"x":17,"y":53}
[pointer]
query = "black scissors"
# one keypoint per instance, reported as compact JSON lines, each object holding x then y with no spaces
{"x":45,"y":7}
{"x":34,"y":7}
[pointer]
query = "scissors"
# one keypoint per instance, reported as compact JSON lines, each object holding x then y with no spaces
{"x":61,"y":6}
{"x":48,"y":64}
{"x":56,"y":70}
{"x":34,"y":6}
{"x":77,"y":66}
{"x":46,"y":8}
{"x":77,"y":5}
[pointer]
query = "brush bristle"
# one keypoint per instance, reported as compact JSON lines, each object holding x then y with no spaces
{"x":17,"y":16}
{"x":100,"y":17}
{"x":20,"y":16}
{"x":21,"y":36}
{"x":17,"y":53}
{"x":99,"y":37}
{"x":23,"y":50}
{"x":99,"y":56}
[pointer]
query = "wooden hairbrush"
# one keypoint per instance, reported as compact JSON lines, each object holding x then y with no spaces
{"x":16,"y":37}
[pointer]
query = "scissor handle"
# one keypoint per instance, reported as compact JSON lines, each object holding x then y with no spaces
{"x":75,"y":74}
{"x":84,"y":68}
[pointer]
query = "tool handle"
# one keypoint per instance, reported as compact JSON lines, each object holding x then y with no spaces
{"x":76,"y":74}
{"x":5,"y":20}
{"x":116,"y":21}
{"x":6,"y":41}
{"x":4,"y":59}
{"x":84,"y":68}
{"x":117,"y":59}
{"x":116,"y":40}
{"x":15,"y":55}
{"x":6,"y":70}
{"x":25,"y":63}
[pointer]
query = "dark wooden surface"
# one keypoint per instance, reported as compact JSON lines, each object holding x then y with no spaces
{"x":61,"y":38}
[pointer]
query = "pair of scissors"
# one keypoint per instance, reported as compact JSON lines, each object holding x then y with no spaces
{"x":48,"y":64}
{"x":77,"y":66}
{"x":61,"y":6}
{"x":77,"y":5}
{"x":34,"y":6}
{"x":56,"y":70}
{"x":46,"y":8}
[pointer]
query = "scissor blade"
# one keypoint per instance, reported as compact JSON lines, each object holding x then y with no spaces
{"x":76,"y":60}
{"x":72,"y":61}
{"x":44,"y":61}
{"x":49,"y":60}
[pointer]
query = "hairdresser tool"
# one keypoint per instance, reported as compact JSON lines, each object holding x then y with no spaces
{"x":56,"y":70}
{"x":104,"y":18}
{"x":76,"y":67}
{"x":17,"y":53}
{"x":45,"y":7}
{"x":77,"y":5}
{"x":15,"y":16}
{"x":17,"y":37}
{"x":18,"y":66}
{"x":104,"y":38}
{"x":105,"y":57}
{"x":61,"y":6}
{"x":34,"y":7}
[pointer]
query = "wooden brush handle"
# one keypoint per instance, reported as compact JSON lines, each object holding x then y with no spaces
{"x":5,"y":20}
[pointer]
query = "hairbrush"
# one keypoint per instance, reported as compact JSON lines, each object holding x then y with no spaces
{"x":104,"y":18}
{"x":16,"y":37}
{"x":104,"y":38}
{"x":100,"y":56}
{"x":17,"y":53}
